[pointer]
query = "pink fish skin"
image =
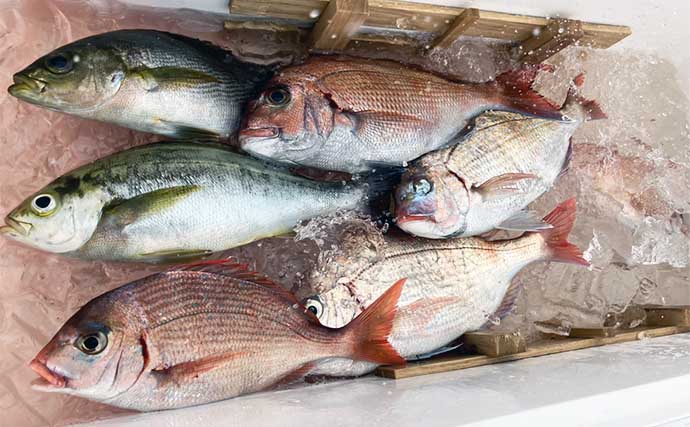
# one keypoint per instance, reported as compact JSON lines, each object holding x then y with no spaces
{"x":352,"y":115}
{"x":199,"y":334}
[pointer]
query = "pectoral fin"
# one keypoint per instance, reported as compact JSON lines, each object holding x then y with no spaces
{"x":143,"y":206}
{"x":184,"y":132}
{"x":156,"y":78}
{"x":505,"y":185}
{"x":170,"y":256}
{"x":187,"y":371}
{"x":444,"y":349}
{"x":524,"y":221}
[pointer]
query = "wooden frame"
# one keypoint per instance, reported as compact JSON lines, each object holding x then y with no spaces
{"x":336,"y":23}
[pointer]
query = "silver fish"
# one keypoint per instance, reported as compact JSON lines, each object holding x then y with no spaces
{"x":487,"y":180}
{"x":453,"y":286}
{"x":172,"y":200}
{"x":146,"y":80}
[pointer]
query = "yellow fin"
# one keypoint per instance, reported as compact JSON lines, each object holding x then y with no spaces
{"x":153,"y":78}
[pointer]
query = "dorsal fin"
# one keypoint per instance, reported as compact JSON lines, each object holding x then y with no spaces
{"x":230,"y":268}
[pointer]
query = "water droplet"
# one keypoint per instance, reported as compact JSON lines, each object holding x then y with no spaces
{"x":314,"y":13}
{"x":561,"y":30}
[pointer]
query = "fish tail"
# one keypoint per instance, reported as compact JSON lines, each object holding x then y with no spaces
{"x":369,"y":331}
{"x":591,"y":110}
{"x":517,"y":93}
{"x":558,"y":247}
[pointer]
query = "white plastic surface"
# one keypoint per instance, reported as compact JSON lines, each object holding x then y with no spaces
{"x":633,"y":384}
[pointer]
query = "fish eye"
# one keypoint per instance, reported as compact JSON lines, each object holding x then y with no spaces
{"x":278,"y":96}
{"x":59,"y":64}
{"x":315,"y":306}
{"x":422,"y":187}
{"x":44,"y":204}
{"x":93,"y":343}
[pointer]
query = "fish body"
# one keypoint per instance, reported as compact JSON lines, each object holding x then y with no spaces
{"x":171,"y":200}
{"x":146,"y":80}
{"x":199,"y":334}
{"x":485,"y":181}
{"x":453,"y":286}
{"x":354,"y":115}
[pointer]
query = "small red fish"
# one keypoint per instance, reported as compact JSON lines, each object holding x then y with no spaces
{"x":198,"y":334}
{"x":351,"y":115}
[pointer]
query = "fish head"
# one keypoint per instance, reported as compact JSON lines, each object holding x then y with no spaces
{"x":76,"y":78}
{"x":59,"y":218}
{"x":96,"y":354}
{"x":334,"y":308}
{"x":431,"y":202}
{"x":289,"y":119}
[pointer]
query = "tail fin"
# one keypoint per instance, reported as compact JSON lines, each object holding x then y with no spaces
{"x":559,"y":249}
{"x":516,"y":89}
{"x":370,"y":330}
{"x":590,"y":109}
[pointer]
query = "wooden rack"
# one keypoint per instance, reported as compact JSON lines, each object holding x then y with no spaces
{"x":334,"y":24}
{"x":491,"y":347}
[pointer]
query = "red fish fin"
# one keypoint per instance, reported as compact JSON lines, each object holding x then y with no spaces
{"x":503,"y":185}
{"x":370,"y":330}
{"x":228,"y":267}
{"x":592,"y":109}
{"x":516,"y":87}
{"x":295,"y":375}
{"x":374,"y":125}
{"x":186,"y":371}
{"x":562,"y":219}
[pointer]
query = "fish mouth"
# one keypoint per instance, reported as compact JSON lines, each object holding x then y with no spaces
{"x":49,"y":380}
{"x":24,"y":85}
{"x":402,"y":219}
{"x":267,"y":133}
{"x":15,"y":228}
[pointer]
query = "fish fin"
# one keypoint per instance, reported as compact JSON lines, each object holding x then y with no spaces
{"x":503,"y":185}
{"x":559,"y":249}
{"x":524,"y":221}
{"x":592,"y":110}
{"x":186,"y":371}
{"x":369,"y":331}
{"x":153,"y":78}
{"x":295,"y":375}
{"x":442,"y":350}
{"x":187,"y":133}
{"x":377,"y":126}
{"x":169,"y":256}
{"x":127,"y":212}
{"x":508,"y":303}
{"x":516,"y":87}
{"x":381,"y":184}
{"x":568,"y":159}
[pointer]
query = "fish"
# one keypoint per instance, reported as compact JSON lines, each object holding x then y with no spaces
{"x":199,"y":334}
{"x":453,"y":286}
{"x":146,"y":80}
{"x":354,"y":115}
{"x":175,"y":201}
{"x":486,"y":181}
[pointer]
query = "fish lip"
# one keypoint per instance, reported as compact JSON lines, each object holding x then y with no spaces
{"x":402,"y":219}
{"x":48,"y":378}
{"x":23,"y":84}
{"x":13,"y":225}
{"x":252,"y":133}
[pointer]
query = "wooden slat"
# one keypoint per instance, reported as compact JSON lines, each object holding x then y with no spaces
{"x":457,"y":28}
{"x":667,"y":316}
{"x":559,"y":34}
{"x":592,"y":332}
{"x":495,"y":344}
{"x":260,"y":26}
{"x":402,"y":15}
{"x":338,"y":23}
{"x":541,"y":348}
